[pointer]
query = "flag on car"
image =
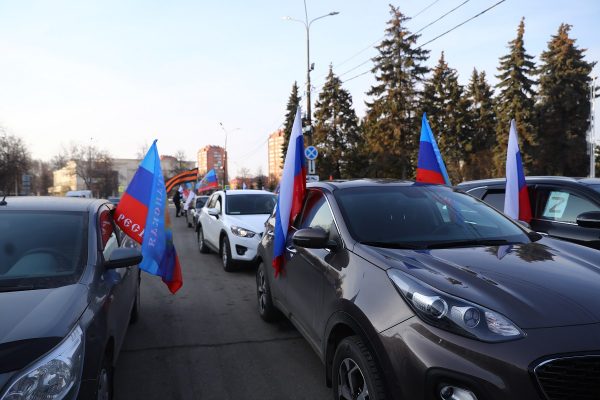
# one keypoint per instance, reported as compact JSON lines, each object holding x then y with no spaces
{"x":430,"y":165}
{"x":142,"y":215}
{"x":291,"y":191}
{"x":516,"y":200}
{"x":208,"y":182}
{"x":182,"y":178}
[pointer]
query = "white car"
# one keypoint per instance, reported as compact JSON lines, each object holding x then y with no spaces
{"x":232,"y":222}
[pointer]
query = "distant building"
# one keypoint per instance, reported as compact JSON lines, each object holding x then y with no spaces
{"x":65,"y":180}
{"x":212,"y":157}
{"x":276,"y":154}
{"x":171,"y":166}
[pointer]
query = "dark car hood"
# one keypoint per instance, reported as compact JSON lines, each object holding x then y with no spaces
{"x":33,"y":321}
{"x":535,"y":284}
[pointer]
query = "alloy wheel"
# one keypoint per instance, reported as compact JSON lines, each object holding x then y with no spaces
{"x":224,"y":253}
{"x":200,"y":239}
{"x":262,"y":291}
{"x":351,"y":381}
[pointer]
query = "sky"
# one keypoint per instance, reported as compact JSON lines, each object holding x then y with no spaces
{"x":118,"y":74}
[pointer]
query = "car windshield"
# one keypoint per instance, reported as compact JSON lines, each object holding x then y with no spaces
{"x":423,"y":216}
{"x":244,"y":204}
{"x":41,"y":249}
{"x":201,"y":201}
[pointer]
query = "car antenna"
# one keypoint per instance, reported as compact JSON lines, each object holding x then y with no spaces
{"x":3,"y":202}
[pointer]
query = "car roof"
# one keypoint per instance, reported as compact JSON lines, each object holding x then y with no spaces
{"x":49,"y":203}
{"x":235,"y":192}
{"x":533,"y":179}
{"x":352,"y":183}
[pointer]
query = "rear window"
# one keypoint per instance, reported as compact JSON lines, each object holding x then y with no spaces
{"x":41,"y":249}
{"x":245,"y":204}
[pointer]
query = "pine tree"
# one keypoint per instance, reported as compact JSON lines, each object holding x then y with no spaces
{"x":483,"y":124}
{"x":564,"y":108}
{"x":290,"y":114}
{"x":516,"y":100}
{"x":447,"y":109}
{"x":392,"y":122}
{"x":337,"y":134}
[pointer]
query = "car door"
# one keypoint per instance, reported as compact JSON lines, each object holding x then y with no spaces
{"x":208,"y":221}
{"x":556,"y":210}
{"x":122,"y":282}
{"x":306,"y":269}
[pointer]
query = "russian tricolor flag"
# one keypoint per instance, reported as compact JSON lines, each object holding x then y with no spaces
{"x":142,"y":215}
{"x":208,"y":182}
{"x":516,"y":200}
{"x":430,"y":165}
{"x":292,"y":188}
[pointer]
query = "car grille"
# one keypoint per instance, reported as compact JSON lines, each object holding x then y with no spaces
{"x":570,"y":378}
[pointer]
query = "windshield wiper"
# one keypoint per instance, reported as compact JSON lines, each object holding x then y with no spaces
{"x":16,"y":288}
{"x":470,"y":242}
{"x":393,"y":245}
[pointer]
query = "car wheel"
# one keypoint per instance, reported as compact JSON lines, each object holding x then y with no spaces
{"x":135,"y":311}
{"x":226,"y":254}
{"x":355,"y":373}
{"x":105,"y":380}
{"x":201,"y":243}
{"x":266,"y":309}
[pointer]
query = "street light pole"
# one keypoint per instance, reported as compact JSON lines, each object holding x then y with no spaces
{"x":307,"y":25}
{"x":225,"y":158}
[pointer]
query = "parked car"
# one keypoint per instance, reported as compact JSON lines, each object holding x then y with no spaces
{"x":69,"y":287}
{"x":86,"y":194}
{"x":195,"y":211}
{"x":565,"y":208}
{"x":417,"y":291}
{"x":232,"y":223}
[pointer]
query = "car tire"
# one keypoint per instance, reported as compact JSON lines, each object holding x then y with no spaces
{"x":135,"y":311}
{"x":355,"y":372}
{"x":226,"y":254}
{"x":267,"y":311}
{"x":105,"y":389}
{"x":201,"y":243}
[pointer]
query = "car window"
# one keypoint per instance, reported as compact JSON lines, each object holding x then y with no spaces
{"x":211,"y":201}
{"x":247,"y":204}
{"x":218,"y":204}
{"x":200,"y":201}
{"x":560,"y":205}
{"x":108,"y":234}
{"x":422,"y":215}
{"x":495,"y":198}
{"x":51,"y":254}
{"x":316,"y":213}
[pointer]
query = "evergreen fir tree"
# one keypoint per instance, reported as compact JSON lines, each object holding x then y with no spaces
{"x":392,"y":122}
{"x":516,"y":100}
{"x":483,"y":124}
{"x":290,"y":114}
{"x":564,"y":107}
{"x":336,"y":133}
{"x":448,"y":113}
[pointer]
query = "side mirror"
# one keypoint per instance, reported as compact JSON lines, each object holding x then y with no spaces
{"x":123,"y":257}
{"x":213,"y":212}
{"x":589,"y":219}
{"x":312,"y":238}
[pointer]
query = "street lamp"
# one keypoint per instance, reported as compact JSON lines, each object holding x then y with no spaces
{"x":225,"y":161}
{"x":309,"y":68}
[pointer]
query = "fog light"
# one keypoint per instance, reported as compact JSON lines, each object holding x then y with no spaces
{"x":456,"y":393}
{"x":241,"y":250}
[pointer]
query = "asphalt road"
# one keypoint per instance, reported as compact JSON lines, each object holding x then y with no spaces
{"x":208,"y":342}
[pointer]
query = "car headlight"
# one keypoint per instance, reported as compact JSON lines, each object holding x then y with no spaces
{"x":242,"y":232}
{"x":52,"y":376}
{"x":453,"y":313}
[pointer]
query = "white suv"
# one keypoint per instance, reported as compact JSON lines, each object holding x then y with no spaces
{"x":231,"y":223}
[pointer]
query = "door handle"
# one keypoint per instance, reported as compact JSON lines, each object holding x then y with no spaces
{"x":291,"y":249}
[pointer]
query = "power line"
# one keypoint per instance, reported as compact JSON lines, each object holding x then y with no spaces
{"x":425,"y":9}
{"x":443,"y":16}
{"x":461,"y":24}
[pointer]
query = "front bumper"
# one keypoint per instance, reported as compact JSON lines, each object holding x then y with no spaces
{"x":243,"y":248}
{"x":424,"y":359}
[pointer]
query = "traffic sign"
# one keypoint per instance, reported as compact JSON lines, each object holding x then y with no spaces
{"x":311,"y":152}
{"x":311,"y":166}
{"x":312,"y":178}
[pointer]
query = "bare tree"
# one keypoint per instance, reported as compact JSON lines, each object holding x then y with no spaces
{"x":142,"y":150}
{"x":181,"y":165}
{"x":95,"y":168}
{"x":14,"y":162}
{"x":60,"y":160}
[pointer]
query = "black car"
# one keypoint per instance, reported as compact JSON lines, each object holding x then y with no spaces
{"x":69,"y":287}
{"x":422,"y":292}
{"x":565,"y":208}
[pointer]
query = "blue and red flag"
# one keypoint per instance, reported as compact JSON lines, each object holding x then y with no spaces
{"x":292,"y":188}
{"x":208,"y":182}
{"x":516,"y":200}
{"x":430,"y":165}
{"x":142,"y":215}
